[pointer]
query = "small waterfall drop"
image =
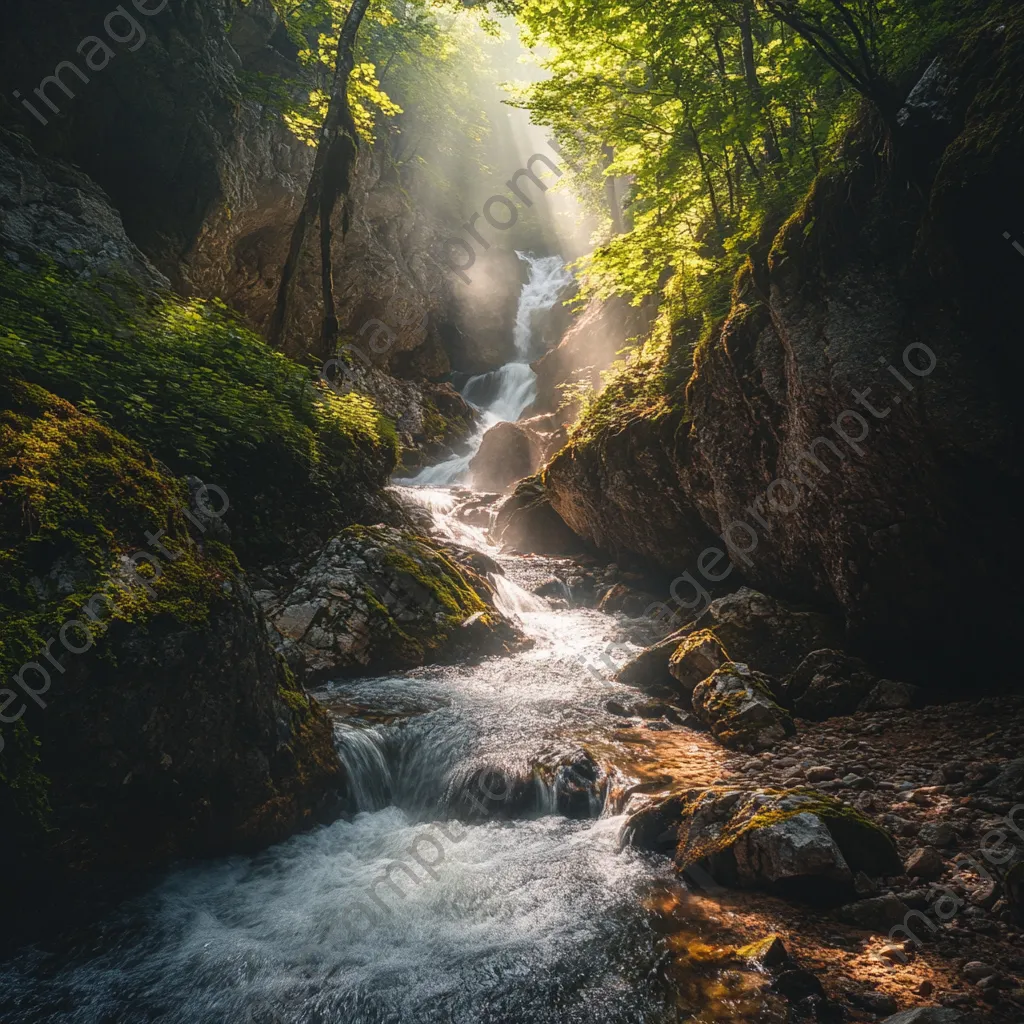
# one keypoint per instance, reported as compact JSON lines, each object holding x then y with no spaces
{"x":502,"y":395}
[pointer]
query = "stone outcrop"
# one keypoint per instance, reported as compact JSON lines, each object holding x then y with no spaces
{"x":799,"y":842}
{"x":378,"y":598}
{"x":525,"y":521}
{"x":839,"y":500}
{"x":50,"y":211}
{"x":194,"y":154}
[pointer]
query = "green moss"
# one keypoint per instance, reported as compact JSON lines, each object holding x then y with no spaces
{"x":865,"y":845}
{"x":76,"y":501}
{"x":205,"y":395}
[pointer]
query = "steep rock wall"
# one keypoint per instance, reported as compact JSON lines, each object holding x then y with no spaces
{"x":207,"y":179}
{"x":904,"y":516}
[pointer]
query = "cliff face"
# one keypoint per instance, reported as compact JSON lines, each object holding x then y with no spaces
{"x":849,"y":434}
{"x":179,"y":132}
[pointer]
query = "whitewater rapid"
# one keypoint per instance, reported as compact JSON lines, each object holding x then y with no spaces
{"x":400,"y":913}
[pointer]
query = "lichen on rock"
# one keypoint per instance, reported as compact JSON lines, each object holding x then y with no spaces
{"x":797,"y":841}
{"x":379,"y":598}
{"x":738,"y":706}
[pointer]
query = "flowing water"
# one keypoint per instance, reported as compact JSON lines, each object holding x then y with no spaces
{"x":401,"y":913}
{"x":504,"y":394}
{"x":481,"y":879}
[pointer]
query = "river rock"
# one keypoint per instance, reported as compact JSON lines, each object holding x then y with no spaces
{"x":571,"y":783}
{"x":891,"y":695}
{"x":766,"y":633}
{"x":508,"y":452}
{"x":797,"y":841}
{"x":925,"y":863}
{"x":526,"y":521}
{"x":927,"y":1015}
{"x":1009,"y":783}
{"x":827,"y":683}
{"x":750,"y":627}
{"x":695,"y":659}
{"x":878,"y":913}
{"x":377,"y":598}
{"x":738,"y":706}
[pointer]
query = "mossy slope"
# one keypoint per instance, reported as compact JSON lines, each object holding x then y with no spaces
{"x":176,"y":729}
{"x":205,"y":395}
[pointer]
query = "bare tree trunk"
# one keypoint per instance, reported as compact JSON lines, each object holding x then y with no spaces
{"x":329,"y":181}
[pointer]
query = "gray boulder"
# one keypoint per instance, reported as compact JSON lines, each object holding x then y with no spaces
{"x":738,"y":706}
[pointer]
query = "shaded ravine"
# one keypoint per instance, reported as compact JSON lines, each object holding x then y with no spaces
{"x":403,"y":913}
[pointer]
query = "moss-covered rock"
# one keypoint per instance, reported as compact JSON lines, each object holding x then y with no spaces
{"x":695,"y":659}
{"x":747,"y":626}
{"x":146,"y":716}
{"x":738,"y":706}
{"x":798,"y":841}
{"x":207,"y":396}
{"x":378,"y":598}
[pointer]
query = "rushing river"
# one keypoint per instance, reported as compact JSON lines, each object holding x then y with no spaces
{"x":402,"y":913}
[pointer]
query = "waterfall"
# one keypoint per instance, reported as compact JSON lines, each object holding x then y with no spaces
{"x":502,"y":395}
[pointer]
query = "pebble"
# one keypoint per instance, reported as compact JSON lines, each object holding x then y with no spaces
{"x":976,"y":970}
{"x":925,"y":863}
{"x":820,"y":773}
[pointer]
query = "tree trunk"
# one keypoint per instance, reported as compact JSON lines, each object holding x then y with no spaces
{"x":706,"y":171}
{"x":768,"y":138}
{"x":329,"y":181}
{"x":614,"y":207}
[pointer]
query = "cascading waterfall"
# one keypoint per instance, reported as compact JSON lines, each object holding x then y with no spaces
{"x":502,"y":395}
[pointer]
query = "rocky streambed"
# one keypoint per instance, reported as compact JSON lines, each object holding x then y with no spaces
{"x":555,"y":815}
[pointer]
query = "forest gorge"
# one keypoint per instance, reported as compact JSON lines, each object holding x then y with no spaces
{"x":576,"y":440}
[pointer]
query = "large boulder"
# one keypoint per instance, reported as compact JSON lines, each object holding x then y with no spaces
{"x":379,"y":598}
{"x":526,"y":521}
{"x":800,"y":842}
{"x":771,"y":635}
{"x":750,"y":627}
{"x":508,"y":452}
{"x":739,"y":708}
{"x":146,"y":715}
{"x":827,"y":683}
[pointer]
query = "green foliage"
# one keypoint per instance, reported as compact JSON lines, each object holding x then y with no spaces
{"x":205,"y":395}
{"x":416,"y":83}
{"x":717,"y":114}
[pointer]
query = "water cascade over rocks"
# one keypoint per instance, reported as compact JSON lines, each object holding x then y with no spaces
{"x":479,"y":876}
{"x":502,"y":395}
